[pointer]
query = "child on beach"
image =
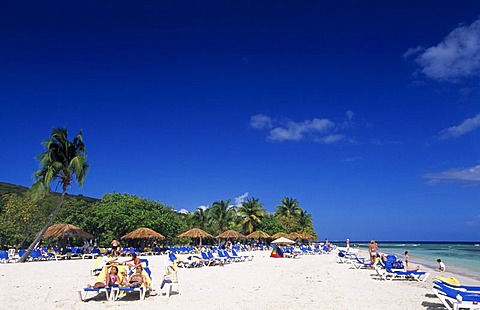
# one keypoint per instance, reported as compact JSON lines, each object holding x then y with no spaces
{"x":441,"y":266}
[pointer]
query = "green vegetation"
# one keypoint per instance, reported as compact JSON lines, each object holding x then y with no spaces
{"x":117,"y":214}
{"x":24,"y":212}
{"x":63,"y":160}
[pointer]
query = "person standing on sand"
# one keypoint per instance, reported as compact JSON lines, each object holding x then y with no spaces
{"x":372,"y":250}
{"x":115,"y":247}
{"x":348,"y":245}
{"x":406,"y":259}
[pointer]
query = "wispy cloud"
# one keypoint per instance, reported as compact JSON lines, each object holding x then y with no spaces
{"x":261,"y":121}
{"x":381,"y":142}
{"x":456,"y":56}
{"x":353,"y":159}
{"x":456,"y":131}
{"x":456,"y":175}
{"x":238,"y":200}
{"x":475,"y":222}
{"x":320,"y":130}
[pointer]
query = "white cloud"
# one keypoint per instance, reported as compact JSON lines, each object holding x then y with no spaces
{"x":321,"y":130}
{"x":456,"y":56}
{"x":331,"y":138}
{"x":261,"y":121}
{"x":475,"y":222}
{"x":466,"y":126}
{"x":238,"y":200}
{"x":294,"y":131}
{"x":470,"y":175}
{"x":183,"y":211}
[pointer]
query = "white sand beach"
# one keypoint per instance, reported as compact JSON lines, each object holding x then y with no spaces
{"x":309,"y":282}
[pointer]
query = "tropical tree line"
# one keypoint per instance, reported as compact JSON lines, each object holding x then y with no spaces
{"x":65,"y":161}
{"x":115,"y":215}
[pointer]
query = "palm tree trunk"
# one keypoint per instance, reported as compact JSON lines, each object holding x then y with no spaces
{"x":44,"y":229}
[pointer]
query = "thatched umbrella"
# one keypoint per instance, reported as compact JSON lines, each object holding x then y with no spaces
{"x":294,"y":235}
{"x":66,"y":231}
{"x":280,"y":235}
{"x":231,"y":234}
{"x":195,"y":233}
{"x":258,"y":234}
{"x":306,"y":236}
{"x":143,"y":233}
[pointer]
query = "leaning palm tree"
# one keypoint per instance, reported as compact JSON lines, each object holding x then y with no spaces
{"x":222,"y":215}
{"x":251,"y":213}
{"x":62,"y":160}
{"x":288,"y":212}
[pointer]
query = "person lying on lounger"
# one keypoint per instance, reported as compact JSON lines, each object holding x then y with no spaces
{"x":136,"y":279}
{"x":111,"y":278}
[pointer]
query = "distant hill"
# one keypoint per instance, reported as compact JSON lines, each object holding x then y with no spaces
{"x":8,"y":188}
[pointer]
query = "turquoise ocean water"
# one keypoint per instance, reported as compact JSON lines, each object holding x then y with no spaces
{"x":461,"y":258}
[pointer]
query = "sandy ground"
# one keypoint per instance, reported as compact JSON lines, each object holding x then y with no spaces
{"x":309,"y":282}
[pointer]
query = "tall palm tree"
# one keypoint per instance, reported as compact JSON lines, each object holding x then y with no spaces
{"x":222,"y":215}
{"x":287,"y":212}
{"x":200,"y":217}
{"x":62,"y":160}
{"x":304,"y":221}
{"x":251,"y":214}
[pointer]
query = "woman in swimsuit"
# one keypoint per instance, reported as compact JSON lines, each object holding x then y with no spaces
{"x":110,"y":279}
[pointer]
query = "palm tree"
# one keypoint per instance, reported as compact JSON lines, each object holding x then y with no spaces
{"x":222,"y":215}
{"x":62,"y":160}
{"x":200,"y":217}
{"x":304,"y":221}
{"x":251,"y":214}
{"x":287,"y":212}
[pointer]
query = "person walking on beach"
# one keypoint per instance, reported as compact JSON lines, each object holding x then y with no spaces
{"x":348,"y":245}
{"x":373,"y":249}
{"x":406,"y":259}
{"x":441,"y":266}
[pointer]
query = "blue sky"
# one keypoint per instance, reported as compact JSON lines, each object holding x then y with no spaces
{"x":367,"y":113}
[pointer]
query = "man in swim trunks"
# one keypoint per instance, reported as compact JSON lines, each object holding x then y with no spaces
{"x":137,"y":279}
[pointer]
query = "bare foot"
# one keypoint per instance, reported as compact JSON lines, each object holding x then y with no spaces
{"x":89,"y":286}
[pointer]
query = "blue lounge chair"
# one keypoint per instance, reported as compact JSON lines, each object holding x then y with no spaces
{"x":454,"y":299}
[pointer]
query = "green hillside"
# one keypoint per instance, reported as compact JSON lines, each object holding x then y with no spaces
{"x":8,"y":188}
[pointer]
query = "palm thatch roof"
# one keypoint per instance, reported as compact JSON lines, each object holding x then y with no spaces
{"x":231,"y":234}
{"x":280,"y":235}
{"x":258,"y":234}
{"x":195,"y":233}
{"x":143,"y":233}
{"x":66,"y":231}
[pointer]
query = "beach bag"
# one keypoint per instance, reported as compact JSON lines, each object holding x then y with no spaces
{"x":397,"y":265}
